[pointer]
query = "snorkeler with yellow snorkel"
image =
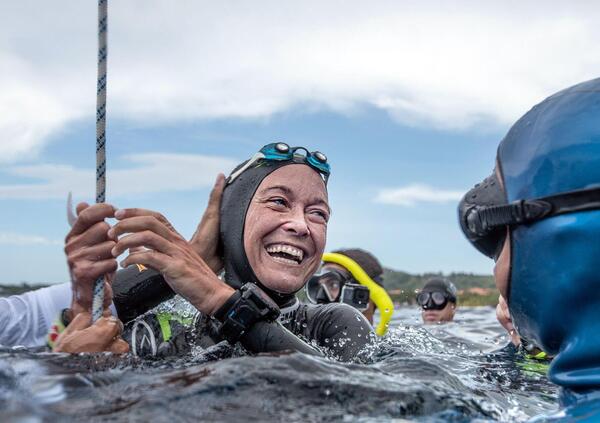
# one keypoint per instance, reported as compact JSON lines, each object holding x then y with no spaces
{"x":355,"y":277}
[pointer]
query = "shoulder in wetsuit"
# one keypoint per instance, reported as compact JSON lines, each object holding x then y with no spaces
{"x":336,"y":329}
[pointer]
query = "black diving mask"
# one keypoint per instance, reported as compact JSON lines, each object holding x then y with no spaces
{"x":484,"y":212}
{"x":433,"y":300}
{"x":333,"y":286}
{"x":325,"y":287}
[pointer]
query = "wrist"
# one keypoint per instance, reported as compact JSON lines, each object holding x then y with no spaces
{"x":217,"y":296}
{"x":242,"y":310}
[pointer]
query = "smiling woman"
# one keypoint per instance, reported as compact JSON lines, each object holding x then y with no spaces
{"x":266,"y":226}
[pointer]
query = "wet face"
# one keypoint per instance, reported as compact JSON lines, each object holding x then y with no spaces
{"x":502,"y":268}
{"x":286,"y":227}
{"x":437,"y":316}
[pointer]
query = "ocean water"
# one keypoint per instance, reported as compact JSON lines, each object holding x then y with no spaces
{"x":418,"y":373}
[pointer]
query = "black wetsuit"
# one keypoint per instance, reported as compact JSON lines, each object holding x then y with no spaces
{"x":337,"y":329}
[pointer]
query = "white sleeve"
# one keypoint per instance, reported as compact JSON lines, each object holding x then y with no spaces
{"x":26,"y":318}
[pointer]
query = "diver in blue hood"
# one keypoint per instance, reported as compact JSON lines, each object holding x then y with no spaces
{"x":538,"y":217}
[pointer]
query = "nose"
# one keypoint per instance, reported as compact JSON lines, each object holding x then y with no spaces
{"x":297,"y":224}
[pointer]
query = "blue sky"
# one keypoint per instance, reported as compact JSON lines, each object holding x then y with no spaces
{"x":408,"y":101}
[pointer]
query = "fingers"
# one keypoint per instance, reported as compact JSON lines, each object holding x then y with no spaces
{"x":97,"y":337}
{"x":119,"y":346}
{"x":90,"y":216}
{"x":108,"y":328}
{"x":95,"y":252}
{"x":122,"y":214}
{"x":214,"y":200}
{"x":143,"y":223}
{"x":152,"y":259}
{"x":104,"y":335}
{"x":205,"y":240}
{"x":81,"y":207}
{"x":145,"y":239}
{"x":96,"y":233}
{"x":209,"y":224}
{"x":79,"y":322}
{"x":85,"y":271}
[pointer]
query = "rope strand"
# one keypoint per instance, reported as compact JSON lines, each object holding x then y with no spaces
{"x":98,"y":299}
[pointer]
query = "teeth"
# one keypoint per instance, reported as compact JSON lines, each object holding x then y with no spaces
{"x":288,"y":249}
{"x":284,"y":260}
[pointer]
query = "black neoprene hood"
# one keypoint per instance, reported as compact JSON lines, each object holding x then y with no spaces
{"x":234,"y":207}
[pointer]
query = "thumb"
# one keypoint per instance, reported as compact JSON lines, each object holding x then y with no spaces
{"x":208,"y":228}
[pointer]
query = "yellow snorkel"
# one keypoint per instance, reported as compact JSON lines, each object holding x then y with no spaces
{"x":379,"y":296}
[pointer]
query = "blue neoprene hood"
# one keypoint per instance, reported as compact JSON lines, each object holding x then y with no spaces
{"x":554,"y":293}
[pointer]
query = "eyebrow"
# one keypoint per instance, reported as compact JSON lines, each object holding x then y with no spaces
{"x":282,"y":188}
{"x":287,"y":191}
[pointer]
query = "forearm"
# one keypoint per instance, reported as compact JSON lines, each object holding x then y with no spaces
{"x":273,"y":337}
{"x":26,"y":318}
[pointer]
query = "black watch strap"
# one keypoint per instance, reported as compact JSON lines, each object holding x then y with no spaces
{"x":221,"y":313}
{"x":243,"y":309}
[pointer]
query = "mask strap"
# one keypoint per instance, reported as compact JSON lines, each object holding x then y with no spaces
{"x":483,"y":219}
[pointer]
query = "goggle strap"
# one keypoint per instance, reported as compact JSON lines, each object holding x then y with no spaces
{"x":484,"y":219}
{"x":258,"y":156}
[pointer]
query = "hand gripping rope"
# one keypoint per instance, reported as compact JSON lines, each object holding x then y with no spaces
{"x":98,"y":298}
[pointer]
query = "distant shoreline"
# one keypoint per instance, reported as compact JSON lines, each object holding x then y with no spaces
{"x":473,"y":290}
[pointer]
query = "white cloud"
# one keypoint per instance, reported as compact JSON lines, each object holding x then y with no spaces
{"x":9,"y":238}
{"x":146,"y":173}
{"x":414,"y":194}
{"x":439,"y":64}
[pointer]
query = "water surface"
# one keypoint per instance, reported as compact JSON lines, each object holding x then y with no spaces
{"x":433,"y":373}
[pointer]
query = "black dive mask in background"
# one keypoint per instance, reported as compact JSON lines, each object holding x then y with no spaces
{"x":435,"y":300}
{"x":326,"y":287}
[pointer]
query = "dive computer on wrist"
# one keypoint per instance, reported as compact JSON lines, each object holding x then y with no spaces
{"x":243,"y":309}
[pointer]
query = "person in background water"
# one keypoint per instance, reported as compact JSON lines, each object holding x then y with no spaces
{"x":538,"y":217}
{"x":329,"y":289}
{"x":437,"y":300}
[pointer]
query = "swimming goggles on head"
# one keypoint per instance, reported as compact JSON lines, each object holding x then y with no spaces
{"x":279,"y":152}
{"x":484,"y":212}
{"x":434,"y":300}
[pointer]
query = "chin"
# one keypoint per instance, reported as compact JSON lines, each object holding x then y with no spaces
{"x":283,"y":286}
{"x":431,"y":318}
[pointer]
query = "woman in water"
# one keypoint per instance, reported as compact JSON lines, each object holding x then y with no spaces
{"x":271,"y":227}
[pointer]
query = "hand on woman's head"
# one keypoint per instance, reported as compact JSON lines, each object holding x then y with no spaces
{"x":205,"y":241}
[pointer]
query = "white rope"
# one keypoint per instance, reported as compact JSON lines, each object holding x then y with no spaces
{"x":98,"y":300}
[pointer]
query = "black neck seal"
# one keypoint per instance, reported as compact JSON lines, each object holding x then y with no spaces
{"x":234,"y":206}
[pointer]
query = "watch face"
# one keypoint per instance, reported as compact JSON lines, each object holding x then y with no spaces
{"x":245,"y":315}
